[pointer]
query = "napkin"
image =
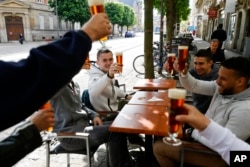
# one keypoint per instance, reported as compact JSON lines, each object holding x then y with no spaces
{"x":155,"y":99}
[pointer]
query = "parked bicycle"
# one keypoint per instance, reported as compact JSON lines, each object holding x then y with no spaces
{"x":139,"y":63}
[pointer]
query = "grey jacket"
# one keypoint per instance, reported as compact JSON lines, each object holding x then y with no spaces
{"x":231,"y":111}
{"x":103,"y":93}
{"x":69,"y":115}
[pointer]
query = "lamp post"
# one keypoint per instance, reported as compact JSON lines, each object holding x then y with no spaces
{"x":57,"y":19}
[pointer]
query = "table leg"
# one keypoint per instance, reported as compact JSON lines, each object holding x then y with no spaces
{"x":150,"y":159}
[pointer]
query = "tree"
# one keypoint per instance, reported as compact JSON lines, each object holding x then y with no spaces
{"x":114,"y":12}
{"x":148,"y":39}
{"x":128,"y":18}
{"x":175,"y":11}
{"x":71,"y":10}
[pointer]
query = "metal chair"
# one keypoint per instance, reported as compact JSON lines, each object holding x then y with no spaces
{"x":53,"y":147}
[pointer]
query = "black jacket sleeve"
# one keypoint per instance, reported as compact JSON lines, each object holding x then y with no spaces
{"x":24,"y":140}
{"x":29,"y":83}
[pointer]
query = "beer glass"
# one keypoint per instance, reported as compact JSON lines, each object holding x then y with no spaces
{"x":119,"y":56}
{"x":47,"y":105}
{"x":177,"y":98}
{"x":171,"y":59}
{"x":182,"y":56}
{"x":86,"y":64}
{"x":97,"y":6}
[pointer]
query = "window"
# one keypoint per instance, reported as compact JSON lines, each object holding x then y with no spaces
{"x":39,"y":1}
{"x":41,"y":21}
{"x":51,"y":23}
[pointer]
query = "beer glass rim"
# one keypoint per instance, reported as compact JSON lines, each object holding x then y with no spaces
{"x":171,"y":54}
{"x":119,"y":53}
{"x":95,"y":2}
{"x":177,"y":93}
{"x":182,"y":47}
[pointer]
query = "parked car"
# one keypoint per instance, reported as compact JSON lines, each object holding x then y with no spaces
{"x":186,"y":35}
{"x":129,"y":34}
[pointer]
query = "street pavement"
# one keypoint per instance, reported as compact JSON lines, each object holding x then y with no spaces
{"x":37,"y":157}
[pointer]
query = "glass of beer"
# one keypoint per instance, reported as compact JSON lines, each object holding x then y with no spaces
{"x":171,"y":59}
{"x":86,"y":64}
{"x":119,"y":60}
{"x":182,"y":56}
{"x":97,"y":6}
{"x":177,"y":98}
{"x":47,"y":105}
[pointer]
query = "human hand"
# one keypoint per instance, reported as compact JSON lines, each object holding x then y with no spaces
{"x":176,"y":67}
{"x":97,"y":121}
{"x":113,"y":69}
{"x":98,"y":26}
{"x":43,"y":119}
{"x":194,"y":118}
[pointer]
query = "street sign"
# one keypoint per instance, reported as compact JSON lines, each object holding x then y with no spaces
{"x":212,"y":13}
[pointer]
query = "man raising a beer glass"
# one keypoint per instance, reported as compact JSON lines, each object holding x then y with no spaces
{"x":229,"y":108}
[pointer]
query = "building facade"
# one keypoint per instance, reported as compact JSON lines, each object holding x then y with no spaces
{"x":32,"y":18}
{"x":233,"y":14}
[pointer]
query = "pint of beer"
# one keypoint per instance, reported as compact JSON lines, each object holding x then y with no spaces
{"x":177,"y":98}
{"x":86,"y":64}
{"x":97,"y":6}
{"x":171,"y":58}
{"x":47,"y":105}
{"x":119,"y":59}
{"x":182,"y":56}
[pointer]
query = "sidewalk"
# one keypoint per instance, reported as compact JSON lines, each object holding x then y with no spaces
{"x":201,"y":44}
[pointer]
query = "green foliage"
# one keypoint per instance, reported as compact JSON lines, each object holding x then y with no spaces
{"x":71,"y":10}
{"x":115,"y":12}
{"x":181,"y":7}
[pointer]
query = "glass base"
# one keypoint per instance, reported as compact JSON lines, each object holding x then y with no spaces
{"x":171,"y":141}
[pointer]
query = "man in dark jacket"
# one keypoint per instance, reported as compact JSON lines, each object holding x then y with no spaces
{"x":204,"y":69}
{"x":219,"y":34}
{"x":28,"y":84}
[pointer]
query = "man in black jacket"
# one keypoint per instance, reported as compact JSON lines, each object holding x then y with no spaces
{"x":26,"y":85}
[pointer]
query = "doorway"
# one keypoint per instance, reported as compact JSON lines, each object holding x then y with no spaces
{"x":14,"y":27}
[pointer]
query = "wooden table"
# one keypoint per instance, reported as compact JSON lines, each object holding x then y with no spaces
{"x":146,"y":98}
{"x":155,"y":84}
{"x":146,"y":119}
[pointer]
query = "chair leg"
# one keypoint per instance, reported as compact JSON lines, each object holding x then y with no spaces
{"x":68,"y":160}
{"x":88,"y":153}
{"x":47,"y":154}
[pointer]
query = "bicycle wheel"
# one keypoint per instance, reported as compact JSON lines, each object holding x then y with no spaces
{"x":139,"y":64}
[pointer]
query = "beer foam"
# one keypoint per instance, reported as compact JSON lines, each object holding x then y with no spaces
{"x":171,"y":54}
{"x":118,"y":53}
{"x":95,"y":2}
{"x":175,"y":93}
{"x":182,"y":47}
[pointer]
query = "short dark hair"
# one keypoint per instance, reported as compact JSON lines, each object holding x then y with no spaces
{"x":240,"y":64}
{"x":220,"y":25}
{"x":204,"y":53}
{"x":102,"y":51}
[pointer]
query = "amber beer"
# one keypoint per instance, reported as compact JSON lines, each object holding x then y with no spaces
{"x":47,"y":105}
{"x":182,"y":56}
{"x":86,"y":63}
{"x":97,"y":6}
{"x":177,"y":98}
{"x":171,"y":59}
{"x":119,"y":59}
